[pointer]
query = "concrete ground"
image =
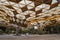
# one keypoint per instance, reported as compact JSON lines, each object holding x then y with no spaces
{"x":31,"y":37}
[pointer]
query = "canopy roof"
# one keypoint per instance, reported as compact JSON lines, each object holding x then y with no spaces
{"x":25,"y":12}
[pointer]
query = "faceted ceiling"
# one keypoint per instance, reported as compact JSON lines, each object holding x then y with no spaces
{"x":30,"y":9}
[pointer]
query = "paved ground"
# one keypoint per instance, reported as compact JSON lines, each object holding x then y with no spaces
{"x":31,"y":37}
